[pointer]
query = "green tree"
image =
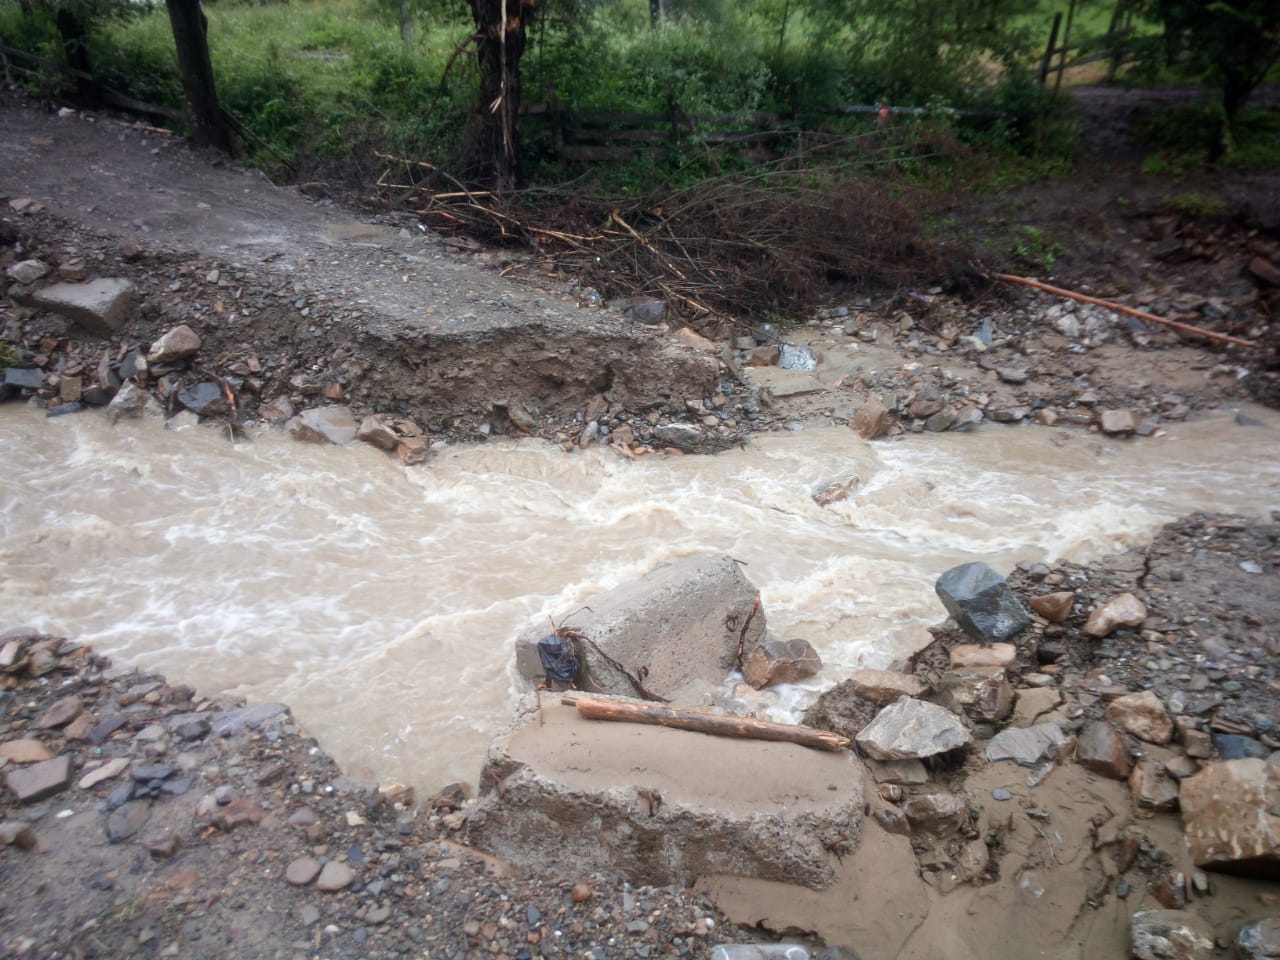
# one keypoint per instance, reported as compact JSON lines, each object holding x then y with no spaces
{"x":1230,"y":43}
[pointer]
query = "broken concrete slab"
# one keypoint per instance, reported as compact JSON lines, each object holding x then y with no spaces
{"x":677,"y":627}
{"x":562,"y":794}
{"x":97,"y":307}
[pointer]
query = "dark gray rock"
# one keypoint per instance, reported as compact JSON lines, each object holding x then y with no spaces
{"x":25,"y":378}
{"x":206,"y":398}
{"x":1233,"y":746}
{"x":62,"y":409}
{"x":981,"y":602}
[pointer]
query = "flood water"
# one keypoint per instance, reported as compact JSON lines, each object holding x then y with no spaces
{"x":381,"y":601}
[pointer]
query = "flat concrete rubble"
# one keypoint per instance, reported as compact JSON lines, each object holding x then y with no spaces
{"x":661,"y":806}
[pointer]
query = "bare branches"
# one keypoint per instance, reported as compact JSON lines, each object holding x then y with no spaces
{"x":735,"y":247}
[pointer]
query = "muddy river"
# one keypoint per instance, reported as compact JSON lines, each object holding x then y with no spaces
{"x":381,"y":601}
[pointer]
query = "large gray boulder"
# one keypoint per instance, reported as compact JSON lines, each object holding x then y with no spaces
{"x":675,"y":631}
{"x":562,"y":796}
{"x":910,"y":729}
{"x":981,"y":602}
{"x":98,"y":307}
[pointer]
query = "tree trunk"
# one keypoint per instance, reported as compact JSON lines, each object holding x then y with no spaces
{"x":500,"y":41}
{"x":721,"y":725}
{"x":191,"y":41}
{"x":406,"y":25}
{"x":655,"y":13}
{"x":75,"y":37}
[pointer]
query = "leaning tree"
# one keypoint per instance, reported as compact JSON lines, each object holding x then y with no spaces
{"x":500,"y":34}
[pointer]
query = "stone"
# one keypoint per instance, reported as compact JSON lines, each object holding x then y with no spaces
{"x":277,"y":410}
{"x":1169,"y":935}
{"x":982,"y":694}
{"x":681,"y":622}
{"x":180,"y":343}
{"x":412,"y":450}
{"x":1234,"y":746}
{"x":17,"y":833}
{"x":21,"y":378}
{"x":109,"y":770}
{"x":780,"y":661}
{"x":981,"y":602}
{"x":885,"y":686}
{"x":580,"y":893}
{"x":376,"y":433}
{"x":1117,"y":422}
{"x":682,"y":436}
{"x":302,"y":871}
{"x":1033,"y":703}
{"x":240,"y":812}
{"x":206,"y":399}
{"x":691,"y":338}
{"x":872,"y":419}
{"x":967,"y":656}
{"x":164,"y":845}
{"x":1054,"y":607}
{"x":335,"y":876}
{"x":324,"y":425}
{"x":1259,"y":940}
{"x":40,"y":780}
{"x":661,"y":808}
{"x":126,"y":820}
{"x":27,"y":272}
{"x":1143,"y":715}
{"x":898,"y":771}
{"x":97,"y":307}
{"x":1027,"y":746}
{"x":765,"y":356}
{"x":1265,"y":270}
{"x":104,"y":728}
{"x":938,"y":813}
{"x":911,"y":729}
{"x":1126,"y":610}
{"x":972,"y":860}
{"x":1151,"y":789}
{"x":1231,"y":817}
{"x":1102,"y":750}
{"x":132,"y":401}
{"x":228,"y":723}
{"x":25,"y":751}
{"x":61,"y":712}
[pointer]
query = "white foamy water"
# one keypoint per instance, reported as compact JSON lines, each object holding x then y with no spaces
{"x":380,"y":602}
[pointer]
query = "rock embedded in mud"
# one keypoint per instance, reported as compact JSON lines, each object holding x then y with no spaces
{"x":1229,"y":813}
{"x":132,"y":401}
{"x":936,"y":813}
{"x":980,"y":601}
{"x":1169,"y":935}
{"x":885,"y":686}
{"x":302,"y":871}
{"x":1102,"y":750}
{"x":910,"y":729}
{"x":1117,"y":422}
{"x":335,"y":876}
{"x":1143,"y":715}
{"x":25,"y":751}
{"x":97,"y":307}
{"x":682,"y":436}
{"x":376,"y":433}
{"x":17,"y":833}
{"x":180,"y":343}
{"x":40,"y":780}
{"x":1151,"y":788}
{"x":1054,"y":607}
{"x":981,"y":693}
{"x":27,"y":272}
{"x":1125,"y":610}
{"x":872,"y":419}
{"x":780,"y":661}
{"x":1027,"y":746}
{"x":206,"y":399}
{"x":1259,"y":940}
{"x":125,"y":821}
{"x":324,"y":425}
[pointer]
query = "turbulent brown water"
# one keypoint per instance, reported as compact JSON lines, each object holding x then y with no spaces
{"x":381,"y":601}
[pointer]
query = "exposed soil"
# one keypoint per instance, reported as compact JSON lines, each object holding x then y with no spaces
{"x":296,"y":301}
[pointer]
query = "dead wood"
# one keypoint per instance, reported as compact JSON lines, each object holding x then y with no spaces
{"x":699,"y":721}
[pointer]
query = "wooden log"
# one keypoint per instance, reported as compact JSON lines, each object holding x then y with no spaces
{"x":701,"y":721}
